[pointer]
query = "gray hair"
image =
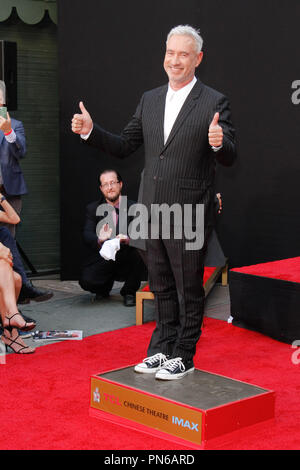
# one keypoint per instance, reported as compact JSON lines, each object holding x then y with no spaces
{"x":186,"y":30}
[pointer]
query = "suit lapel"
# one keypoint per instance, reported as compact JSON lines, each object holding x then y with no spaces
{"x":185,"y":111}
{"x":160,"y":112}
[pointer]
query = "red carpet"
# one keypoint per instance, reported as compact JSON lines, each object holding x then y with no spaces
{"x":45,"y":396}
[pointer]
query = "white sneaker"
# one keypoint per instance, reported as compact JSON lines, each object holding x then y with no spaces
{"x":174,"y":369}
{"x":151,"y":364}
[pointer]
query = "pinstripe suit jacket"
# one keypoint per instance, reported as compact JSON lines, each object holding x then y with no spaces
{"x":182,"y":169}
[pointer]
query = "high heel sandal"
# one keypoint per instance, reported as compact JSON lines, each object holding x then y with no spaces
{"x":26,"y":327}
{"x":15,"y":342}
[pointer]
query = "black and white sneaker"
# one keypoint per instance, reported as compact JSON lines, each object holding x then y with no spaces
{"x":174,"y":369}
{"x":151,"y":364}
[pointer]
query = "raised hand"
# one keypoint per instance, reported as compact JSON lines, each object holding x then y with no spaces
{"x":82,"y":123}
{"x":215,"y":132}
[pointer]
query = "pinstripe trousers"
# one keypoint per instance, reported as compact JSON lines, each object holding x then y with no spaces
{"x":176,"y":279}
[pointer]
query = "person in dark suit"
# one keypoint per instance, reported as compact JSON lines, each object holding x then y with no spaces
{"x":12,"y":149}
{"x":185,"y":127}
{"x":99,"y":273}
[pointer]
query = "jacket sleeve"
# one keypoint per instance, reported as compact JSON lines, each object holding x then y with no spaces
{"x":122,"y":145}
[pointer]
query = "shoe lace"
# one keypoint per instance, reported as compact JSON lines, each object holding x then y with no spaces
{"x":172,"y":364}
{"x":157,"y":357}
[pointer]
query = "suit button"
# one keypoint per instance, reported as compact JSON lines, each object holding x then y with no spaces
{"x":161,"y":157}
{"x":154,"y":177}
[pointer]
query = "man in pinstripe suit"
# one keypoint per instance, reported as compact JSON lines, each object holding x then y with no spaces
{"x":185,"y":127}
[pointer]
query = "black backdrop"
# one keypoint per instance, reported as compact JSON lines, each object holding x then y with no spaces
{"x":111,"y":52}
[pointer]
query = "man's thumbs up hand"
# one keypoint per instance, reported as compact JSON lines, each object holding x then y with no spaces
{"x":215,"y":132}
{"x":82,"y":123}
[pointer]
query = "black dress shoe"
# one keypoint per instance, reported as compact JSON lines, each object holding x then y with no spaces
{"x":30,"y":292}
{"x":99,"y":297}
{"x":129,"y":300}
